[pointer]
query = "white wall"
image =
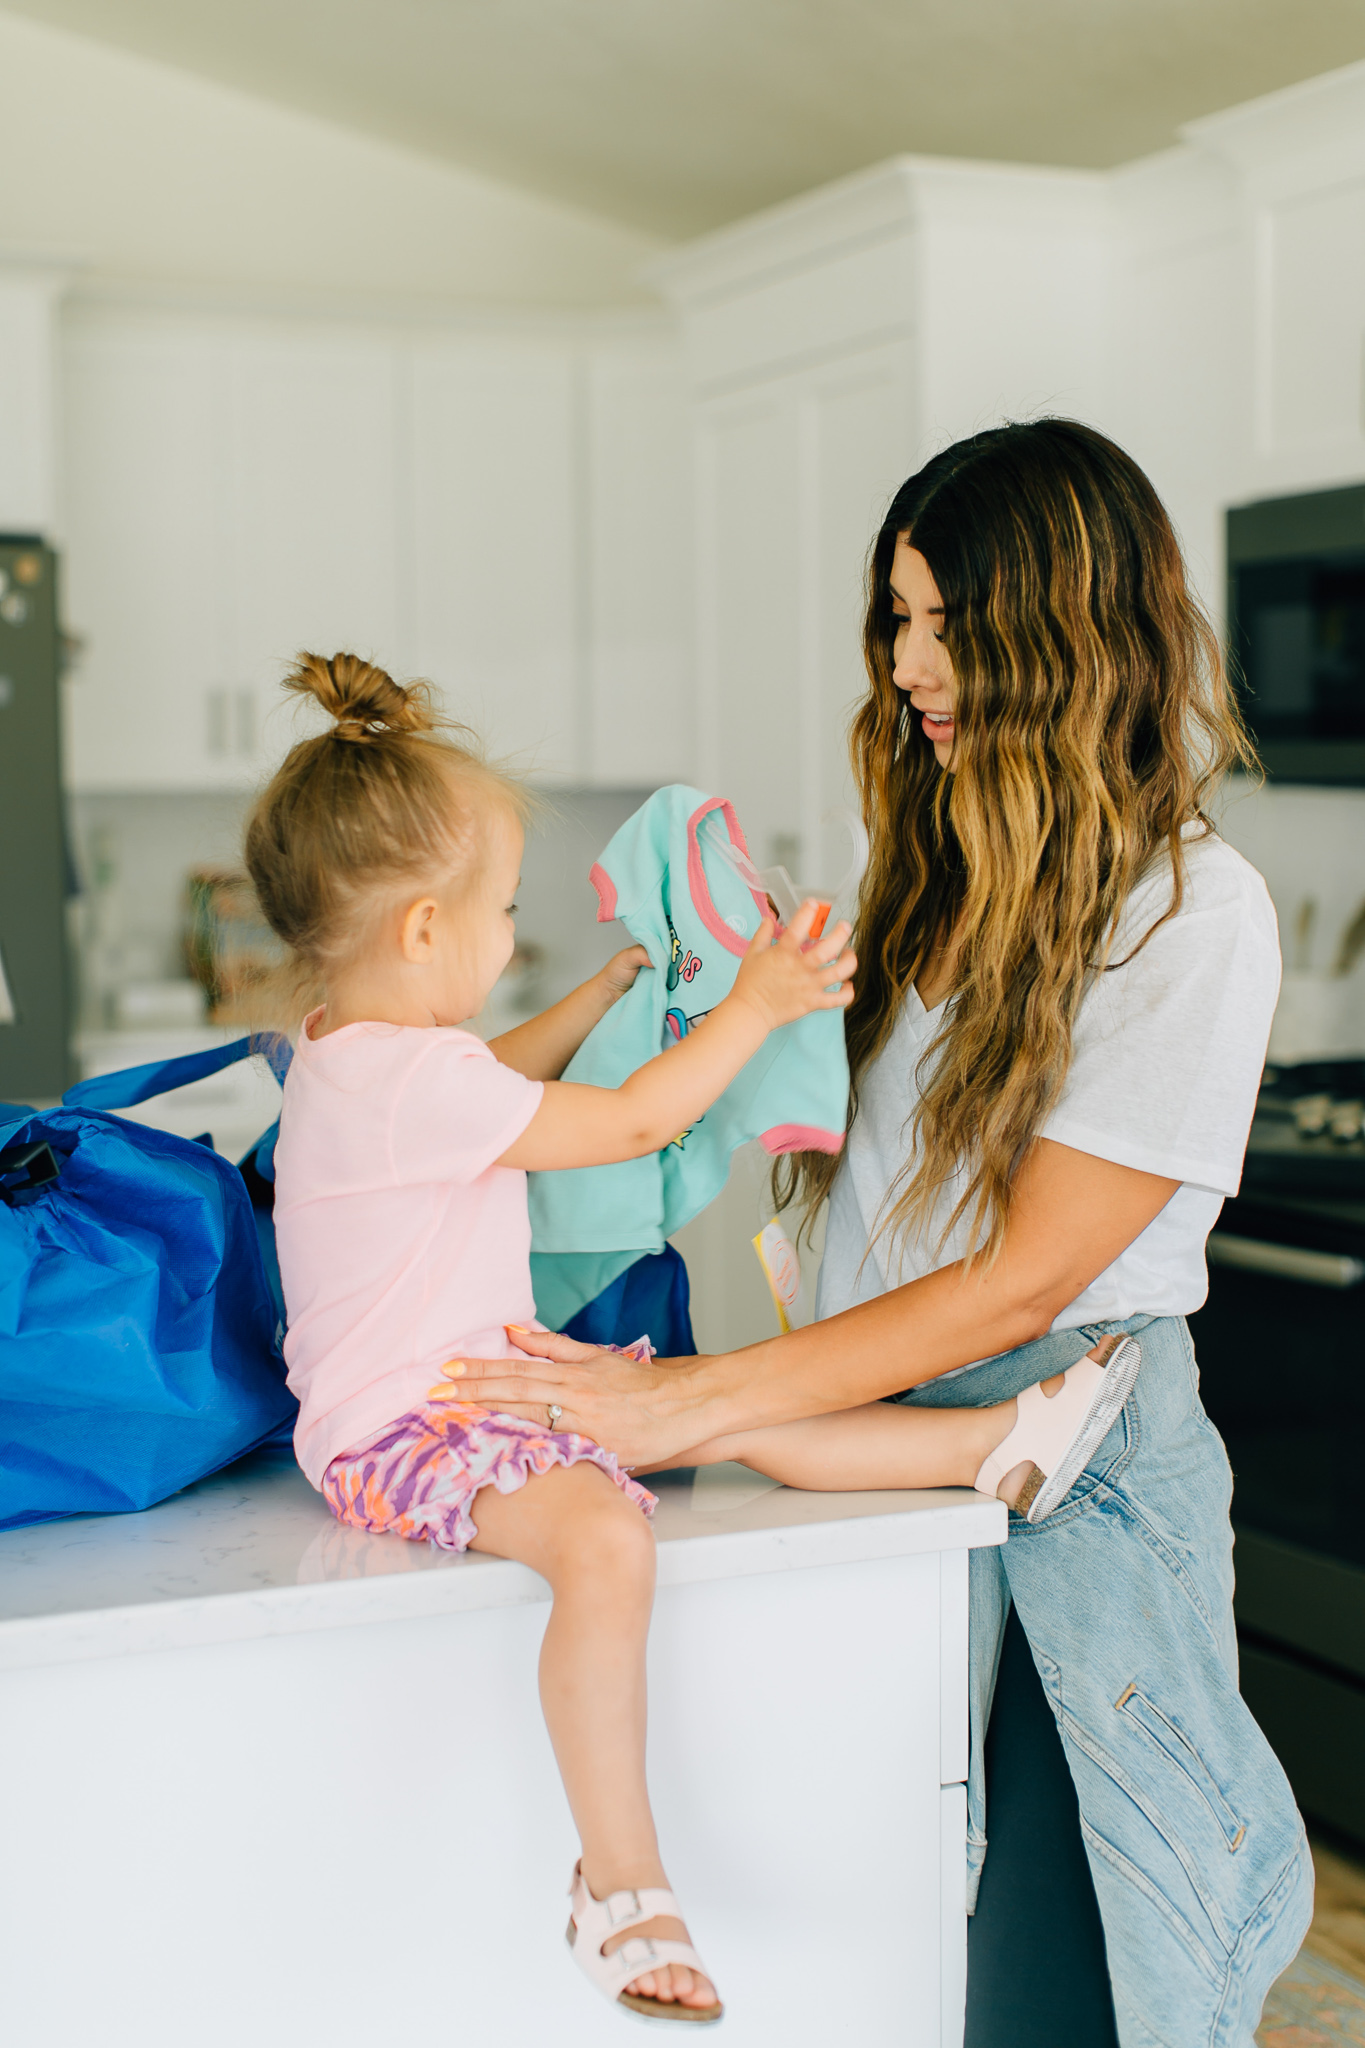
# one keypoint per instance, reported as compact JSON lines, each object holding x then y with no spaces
{"x":138,"y":172}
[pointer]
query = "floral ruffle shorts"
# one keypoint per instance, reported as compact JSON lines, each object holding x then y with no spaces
{"x":418,"y":1475}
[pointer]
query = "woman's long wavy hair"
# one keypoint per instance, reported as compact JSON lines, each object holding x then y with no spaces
{"x":1093,"y":719}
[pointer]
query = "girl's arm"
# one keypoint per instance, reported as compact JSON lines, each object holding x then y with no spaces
{"x":1071,"y":1216}
{"x":776,"y":983}
{"x":542,"y":1047}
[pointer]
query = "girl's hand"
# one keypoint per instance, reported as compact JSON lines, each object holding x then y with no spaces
{"x":797,"y":975}
{"x":620,"y":971}
{"x":542,"y":1047}
{"x":642,"y":1412}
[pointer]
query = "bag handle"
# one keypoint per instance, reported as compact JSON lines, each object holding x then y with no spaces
{"x":25,"y":1170}
{"x":138,"y":1084}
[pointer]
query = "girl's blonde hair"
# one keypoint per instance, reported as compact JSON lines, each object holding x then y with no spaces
{"x":1093,"y":719}
{"x":390,"y":793}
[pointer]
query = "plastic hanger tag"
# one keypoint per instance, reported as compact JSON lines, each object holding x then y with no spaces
{"x":781,"y":1265}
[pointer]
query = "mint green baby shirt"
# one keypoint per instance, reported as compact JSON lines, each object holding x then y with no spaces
{"x":664,"y":877}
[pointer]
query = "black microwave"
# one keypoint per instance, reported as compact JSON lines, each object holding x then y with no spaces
{"x":1296,"y":631}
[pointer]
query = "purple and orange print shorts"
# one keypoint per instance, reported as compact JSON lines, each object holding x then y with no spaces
{"x":418,"y":1475}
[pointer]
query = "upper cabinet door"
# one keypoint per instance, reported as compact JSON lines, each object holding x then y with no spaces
{"x":509,"y":516}
{"x":751,"y":487}
{"x":1311,"y":256}
{"x":794,"y":478}
{"x":231,"y":499}
{"x":312,"y":560}
{"x":498,"y":540}
{"x":146,"y":447}
{"x":641,"y":724}
{"x":857,"y":416}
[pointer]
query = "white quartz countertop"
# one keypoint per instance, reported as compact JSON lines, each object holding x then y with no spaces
{"x":254,"y":1551}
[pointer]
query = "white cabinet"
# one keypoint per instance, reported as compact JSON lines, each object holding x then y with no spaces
{"x":505,"y":513}
{"x":310,"y":555}
{"x":231,"y":497}
{"x":1312,"y":261}
{"x":1294,"y":164}
{"x":496,"y":533}
{"x":145,"y":432}
{"x":640,"y":724}
{"x":551,"y":566}
{"x":191,"y":1692}
{"x":749,"y":627}
{"x":831,"y":345}
{"x":793,"y":479}
{"x":857,"y":429}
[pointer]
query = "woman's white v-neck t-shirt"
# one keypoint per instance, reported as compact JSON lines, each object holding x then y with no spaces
{"x":1167,"y":1056}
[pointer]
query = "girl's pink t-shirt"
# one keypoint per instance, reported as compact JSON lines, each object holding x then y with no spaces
{"x":401,"y":1242}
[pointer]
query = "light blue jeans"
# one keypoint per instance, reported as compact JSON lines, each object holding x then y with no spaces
{"x":1198,"y":1854}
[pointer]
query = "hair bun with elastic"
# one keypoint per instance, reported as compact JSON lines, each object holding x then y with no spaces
{"x":364,"y":699}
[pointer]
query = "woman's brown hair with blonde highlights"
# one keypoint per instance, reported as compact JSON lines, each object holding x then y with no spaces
{"x":392,"y":791}
{"x":1093,"y":719}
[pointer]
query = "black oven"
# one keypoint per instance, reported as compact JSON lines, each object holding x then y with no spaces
{"x":1281,"y":1350}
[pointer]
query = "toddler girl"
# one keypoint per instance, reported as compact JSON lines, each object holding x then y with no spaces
{"x":386,"y":857}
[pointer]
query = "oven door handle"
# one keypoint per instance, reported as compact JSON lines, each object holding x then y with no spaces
{"x":1285,"y":1261}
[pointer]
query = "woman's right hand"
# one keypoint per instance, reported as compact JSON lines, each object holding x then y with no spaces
{"x":645,"y":1413}
{"x":783,"y":980}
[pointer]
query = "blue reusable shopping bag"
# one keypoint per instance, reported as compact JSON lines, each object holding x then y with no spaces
{"x":139,"y":1329}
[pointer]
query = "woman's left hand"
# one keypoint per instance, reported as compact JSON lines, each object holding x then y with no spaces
{"x":639,"y":1411}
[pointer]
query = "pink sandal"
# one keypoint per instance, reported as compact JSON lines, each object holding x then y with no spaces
{"x":1061,"y":1434}
{"x":593,"y":1921}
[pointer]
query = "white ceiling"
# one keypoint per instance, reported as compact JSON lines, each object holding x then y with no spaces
{"x":679,"y":115}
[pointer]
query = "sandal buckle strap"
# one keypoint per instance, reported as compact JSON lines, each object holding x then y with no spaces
{"x":595,"y":1920}
{"x":636,"y":1955}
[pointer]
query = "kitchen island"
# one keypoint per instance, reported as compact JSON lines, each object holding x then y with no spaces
{"x":270,"y":1780}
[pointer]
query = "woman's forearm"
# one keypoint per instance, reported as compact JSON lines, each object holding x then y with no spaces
{"x":654,"y":1414}
{"x":912,"y":1334}
{"x":1072,"y":1216}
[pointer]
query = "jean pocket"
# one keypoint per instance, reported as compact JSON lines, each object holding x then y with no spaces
{"x":1186,"y":1758}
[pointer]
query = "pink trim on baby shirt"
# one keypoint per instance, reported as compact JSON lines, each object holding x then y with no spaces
{"x":733,"y":942}
{"x":606,"y":892}
{"x":801,"y":1138}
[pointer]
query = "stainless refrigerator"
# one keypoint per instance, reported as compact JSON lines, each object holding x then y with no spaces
{"x":35,"y":970}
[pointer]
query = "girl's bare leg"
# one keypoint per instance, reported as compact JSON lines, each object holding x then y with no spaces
{"x":579,"y":1531}
{"x":881,"y":1445}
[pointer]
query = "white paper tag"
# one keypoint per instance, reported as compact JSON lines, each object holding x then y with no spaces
{"x":782,"y":1269}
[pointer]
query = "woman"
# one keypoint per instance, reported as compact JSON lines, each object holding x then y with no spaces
{"x":1065,"y":994}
